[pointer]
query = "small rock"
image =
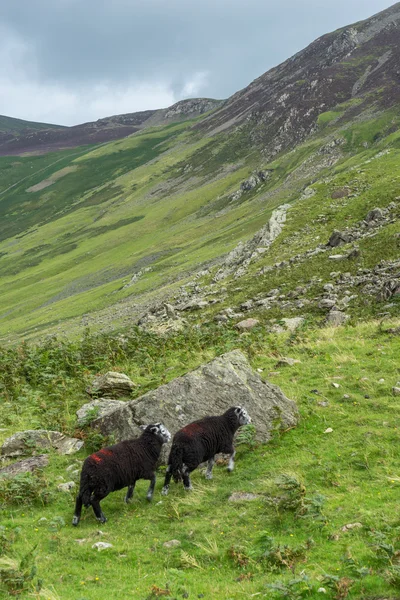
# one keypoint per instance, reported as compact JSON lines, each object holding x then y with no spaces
{"x":26,"y":442}
{"x":336,"y":256}
{"x":287,"y":362}
{"x":374,"y":215}
{"x":321,"y":590}
{"x":327,"y":303}
{"x":97,"y":409}
{"x":242,"y":497}
{"x":101,"y":546}
{"x":381,"y":381}
{"x":355,"y":253}
{"x":66,"y":487}
{"x":81,"y":541}
{"x":351,"y":526}
{"x":172,"y":544}
{"x":247,"y":324}
{"x":329,"y":430}
{"x":323,"y":404}
{"x":112,"y":384}
{"x":396,"y":391}
{"x":335,"y":385}
{"x":346,"y":396}
{"x":336,"y":318}
{"x":27,"y":465}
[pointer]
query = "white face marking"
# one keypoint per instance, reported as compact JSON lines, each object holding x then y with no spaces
{"x":161,"y":431}
{"x":242,"y":415}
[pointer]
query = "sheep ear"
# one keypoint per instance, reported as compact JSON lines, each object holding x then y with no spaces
{"x":154,"y":430}
{"x":238,"y":410}
{"x":142,"y":427}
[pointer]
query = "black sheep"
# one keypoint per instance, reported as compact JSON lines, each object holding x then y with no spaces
{"x":200,"y":441}
{"x":118,"y":466}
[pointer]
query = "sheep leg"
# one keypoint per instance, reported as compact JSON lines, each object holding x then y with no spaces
{"x":78,"y":510}
{"x":168,"y":475}
{"x":129,"y":493}
{"x":210,"y":465}
{"x":231,"y":463}
{"x":150,"y":491}
{"x":186,"y":479}
{"x":95,"y":502}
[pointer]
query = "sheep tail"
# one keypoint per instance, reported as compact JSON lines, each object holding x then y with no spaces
{"x":85,"y":493}
{"x":176,"y":462}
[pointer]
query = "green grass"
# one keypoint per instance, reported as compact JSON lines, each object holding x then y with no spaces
{"x":224,"y":545}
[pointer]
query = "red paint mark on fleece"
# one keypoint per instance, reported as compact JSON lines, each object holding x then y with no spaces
{"x":95,"y":458}
{"x":103,"y":452}
{"x":192,"y":429}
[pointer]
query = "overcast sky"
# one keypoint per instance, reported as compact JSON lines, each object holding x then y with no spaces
{"x":70,"y":61}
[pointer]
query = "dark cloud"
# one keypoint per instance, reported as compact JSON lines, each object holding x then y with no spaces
{"x":73,"y":50}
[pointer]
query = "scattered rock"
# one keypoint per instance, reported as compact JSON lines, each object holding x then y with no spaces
{"x":338,"y":238}
{"x":26,"y":442}
{"x":247,"y":324}
{"x":101,"y":546}
{"x":329,"y":430}
{"x":327,"y":303}
{"x":351,"y":526}
{"x":354,"y":253}
{"x":396,"y":390}
{"x":287,"y":362}
{"x":242,"y":497}
{"x":374,"y":215}
{"x":336,"y":256}
{"x":66,"y":487}
{"x":240,"y":257}
{"x":111,"y":385}
{"x":335,"y":385}
{"x":96,"y":409}
{"x":211,"y":389}
{"x":172,"y":544}
{"x":26,"y":465}
{"x":170,"y":311}
{"x":336,"y":318}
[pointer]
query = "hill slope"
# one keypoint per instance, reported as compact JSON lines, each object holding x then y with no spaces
{"x":114,"y":229}
{"x":20,"y":137}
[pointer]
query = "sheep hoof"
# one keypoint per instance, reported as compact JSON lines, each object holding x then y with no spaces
{"x":102,"y":519}
{"x":229,"y":469}
{"x":149,"y":497}
{"x":209,"y":476}
{"x":75,"y":521}
{"x":189,"y":488}
{"x":165,"y":491}
{"x":127,"y":500}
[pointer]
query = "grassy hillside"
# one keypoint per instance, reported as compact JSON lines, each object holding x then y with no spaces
{"x":338,"y":467}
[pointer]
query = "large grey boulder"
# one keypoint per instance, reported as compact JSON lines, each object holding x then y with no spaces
{"x":27,"y":442}
{"x":111,"y":385}
{"x":209,"y":390}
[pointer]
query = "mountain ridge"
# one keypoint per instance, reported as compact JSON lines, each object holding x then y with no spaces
{"x":38,"y":137}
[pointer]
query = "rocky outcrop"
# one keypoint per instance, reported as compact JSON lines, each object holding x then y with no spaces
{"x":239,"y":259}
{"x":211,"y":389}
{"x":111,"y":385}
{"x":28,"y":442}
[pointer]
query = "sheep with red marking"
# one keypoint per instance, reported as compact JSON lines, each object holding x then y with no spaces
{"x":200,"y":441}
{"x":118,"y":466}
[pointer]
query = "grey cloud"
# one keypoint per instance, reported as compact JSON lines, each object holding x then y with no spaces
{"x":78,"y":44}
